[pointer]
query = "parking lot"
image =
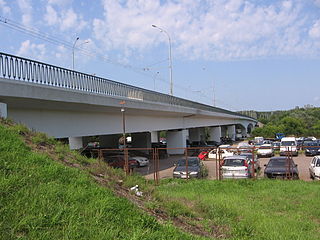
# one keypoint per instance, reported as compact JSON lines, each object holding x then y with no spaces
{"x":166,"y":167}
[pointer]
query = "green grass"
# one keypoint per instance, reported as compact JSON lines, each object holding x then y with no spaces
{"x":43,"y":199}
{"x":262,"y":209}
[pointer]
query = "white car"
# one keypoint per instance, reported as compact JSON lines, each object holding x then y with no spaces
{"x":314,"y":168}
{"x":236,"y":167}
{"x":224,"y":153}
{"x":142,"y":161}
{"x":266,"y":150}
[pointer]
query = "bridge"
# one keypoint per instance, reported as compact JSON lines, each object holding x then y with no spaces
{"x":68,"y":104}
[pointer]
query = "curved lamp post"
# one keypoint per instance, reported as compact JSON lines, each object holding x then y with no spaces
{"x":170,"y":58}
{"x":73,"y":48}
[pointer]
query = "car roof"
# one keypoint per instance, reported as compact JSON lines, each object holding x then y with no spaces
{"x":236,"y":157}
{"x":266,"y":145}
{"x":277,"y":158}
{"x":245,"y":154}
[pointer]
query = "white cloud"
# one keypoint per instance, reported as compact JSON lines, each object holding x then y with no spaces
{"x":26,"y":10}
{"x":314,"y":32}
{"x":225,"y":29}
{"x":51,"y":16}
{"x":65,"y":19}
{"x":4,"y":8}
{"x":32,"y":50}
{"x":60,"y":2}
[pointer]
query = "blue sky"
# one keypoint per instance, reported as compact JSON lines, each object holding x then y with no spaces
{"x":236,"y":54}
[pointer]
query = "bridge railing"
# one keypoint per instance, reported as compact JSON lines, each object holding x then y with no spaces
{"x":26,"y":70}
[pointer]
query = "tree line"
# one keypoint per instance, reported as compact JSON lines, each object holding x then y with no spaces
{"x":297,"y":122}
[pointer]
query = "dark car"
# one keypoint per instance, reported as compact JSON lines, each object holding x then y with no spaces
{"x":311,"y":148}
{"x":195,"y":168}
{"x":118,"y":161}
{"x":281,"y":168}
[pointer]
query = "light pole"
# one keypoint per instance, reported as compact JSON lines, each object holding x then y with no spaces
{"x":73,"y":46}
{"x":126,"y":159}
{"x":170,"y":58}
{"x":154,"y":80}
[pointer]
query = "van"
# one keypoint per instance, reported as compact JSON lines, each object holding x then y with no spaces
{"x":288,"y":144}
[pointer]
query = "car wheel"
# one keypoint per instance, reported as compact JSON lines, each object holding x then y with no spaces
{"x":295,"y":177}
{"x":138,"y":164}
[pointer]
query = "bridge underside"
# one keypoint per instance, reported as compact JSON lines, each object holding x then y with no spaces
{"x":66,"y":112}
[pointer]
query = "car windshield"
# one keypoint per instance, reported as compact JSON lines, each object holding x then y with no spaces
{"x":191,"y":162}
{"x":311,"y":144}
{"x":278,"y":163}
{"x":247,"y":155}
{"x":234,"y":162}
{"x":288,"y":143}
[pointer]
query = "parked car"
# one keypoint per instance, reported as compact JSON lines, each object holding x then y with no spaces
{"x":236,"y":167}
{"x":265,"y":150}
{"x":288,"y":144}
{"x":314,"y":168}
{"x":281,"y":168}
{"x":256,"y":160}
{"x":195,"y":168}
{"x":299,"y":142}
{"x":244,"y":147}
{"x":311,"y":148}
{"x":203,"y":155}
{"x":118,"y":161}
{"x":276,"y":146}
{"x":224,"y":152}
{"x":142,"y":161}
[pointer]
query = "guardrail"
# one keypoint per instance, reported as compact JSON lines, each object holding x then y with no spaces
{"x":26,"y":70}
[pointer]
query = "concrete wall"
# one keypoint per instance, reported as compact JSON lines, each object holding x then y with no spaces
{"x":176,"y":139}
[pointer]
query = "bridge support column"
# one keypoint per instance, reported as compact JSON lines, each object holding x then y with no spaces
{"x":177,"y":139}
{"x":75,"y":142}
{"x":231,"y":130}
{"x":141,"y":140}
{"x":154,"y":137}
{"x":243,"y":132}
{"x":196,"y":134}
{"x":109,"y":141}
{"x":215,"y":134}
{"x":3,"y":110}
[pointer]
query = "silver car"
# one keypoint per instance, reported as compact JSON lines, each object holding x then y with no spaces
{"x":236,"y":167}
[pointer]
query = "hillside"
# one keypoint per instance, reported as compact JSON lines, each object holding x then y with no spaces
{"x":46,"y":192}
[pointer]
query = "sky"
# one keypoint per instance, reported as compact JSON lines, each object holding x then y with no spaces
{"x":235,"y":54}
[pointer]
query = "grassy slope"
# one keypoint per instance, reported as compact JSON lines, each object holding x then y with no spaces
{"x":43,"y":199}
{"x":262,"y":209}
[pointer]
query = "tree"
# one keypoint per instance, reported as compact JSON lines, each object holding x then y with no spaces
{"x":293,"y":126}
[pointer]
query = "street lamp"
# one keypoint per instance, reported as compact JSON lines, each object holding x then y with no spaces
{"x":126,"y":160}
{"x":73,"y":48}
{"x":154,"y":81}
{"x":170,"y":58}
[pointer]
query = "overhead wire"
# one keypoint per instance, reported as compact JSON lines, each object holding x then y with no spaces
{"x":92,"y":53}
